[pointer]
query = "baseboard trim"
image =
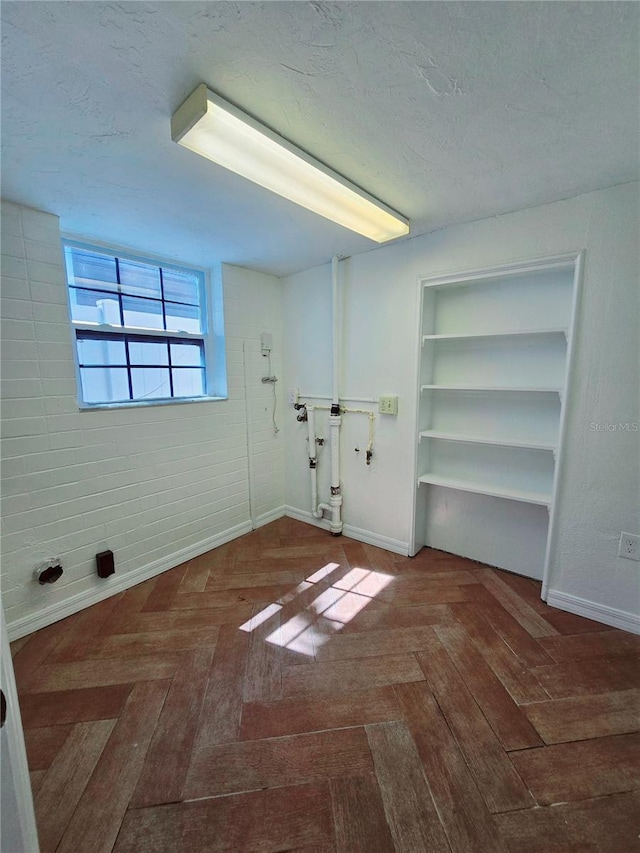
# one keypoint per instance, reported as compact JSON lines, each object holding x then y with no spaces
{"x":119,"y":583}
{"x":394,"y":545}
{"x":307,"y":517}
{"x":268,"y":517}
{"x":592,"y":610}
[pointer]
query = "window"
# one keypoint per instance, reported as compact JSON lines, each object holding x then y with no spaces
{"x":141,"y":330}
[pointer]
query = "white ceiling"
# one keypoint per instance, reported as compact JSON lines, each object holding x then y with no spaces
{"x":448,"y":112}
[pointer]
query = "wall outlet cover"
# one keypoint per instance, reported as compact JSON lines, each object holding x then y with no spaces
{"x":388,"y":405}
{"x":629,"y":546}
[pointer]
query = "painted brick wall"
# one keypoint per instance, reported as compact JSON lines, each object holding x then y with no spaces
{"x":155,"y":484}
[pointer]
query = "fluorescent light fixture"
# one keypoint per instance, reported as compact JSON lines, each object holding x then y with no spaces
{"x":214,"y":128}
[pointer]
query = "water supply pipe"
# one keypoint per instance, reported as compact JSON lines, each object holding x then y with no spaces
{"x":317,"y":509}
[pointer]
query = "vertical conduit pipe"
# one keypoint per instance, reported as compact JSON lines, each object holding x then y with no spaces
{"x":335,"y":501}
{"x":335,"y":321}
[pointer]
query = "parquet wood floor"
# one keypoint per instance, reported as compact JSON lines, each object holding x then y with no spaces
{"x":292,"y":691}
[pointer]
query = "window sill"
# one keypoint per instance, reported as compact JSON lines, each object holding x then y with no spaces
{"x":137,"y":404}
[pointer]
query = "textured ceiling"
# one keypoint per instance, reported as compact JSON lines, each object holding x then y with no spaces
{"x":446,"y":111}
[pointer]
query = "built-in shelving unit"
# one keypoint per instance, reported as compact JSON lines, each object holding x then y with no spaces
{"x":494,"y":365}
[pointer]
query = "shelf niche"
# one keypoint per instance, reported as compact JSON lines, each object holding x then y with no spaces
{"x":493,"y":372}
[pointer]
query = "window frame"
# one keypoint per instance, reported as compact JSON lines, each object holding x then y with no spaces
{"x":211,"y":336}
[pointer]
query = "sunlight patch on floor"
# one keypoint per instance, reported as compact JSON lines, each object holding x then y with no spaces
{"x":261,"y":617}
{"x":328,"y":613}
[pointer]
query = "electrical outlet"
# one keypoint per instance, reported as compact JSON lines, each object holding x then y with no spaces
{"x":388,"y":405}
{"x":293,"y":395}
{"x":629,"y":546}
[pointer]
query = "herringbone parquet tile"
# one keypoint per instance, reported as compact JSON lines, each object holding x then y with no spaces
{"x":292,"y":691}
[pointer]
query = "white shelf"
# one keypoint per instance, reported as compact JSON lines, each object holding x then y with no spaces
{"x":489,"y":388}
{"x":509,"y":334}
{"x":483,"y":439}
{"x":523,"y":495}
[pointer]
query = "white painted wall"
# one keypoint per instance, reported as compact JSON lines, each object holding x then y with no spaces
{"x":599,"y":495}
{"x":155,"y":484}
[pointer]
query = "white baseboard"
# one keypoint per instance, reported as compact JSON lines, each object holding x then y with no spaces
{"x":592,"y":610}
{"x":268,"y":517}
{"x":118,"y":583}
{"x":394,"y":545}
{"x":303,"y":515}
